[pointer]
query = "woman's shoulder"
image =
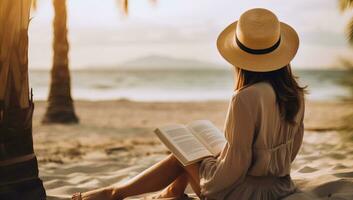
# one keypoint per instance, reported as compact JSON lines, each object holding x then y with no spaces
{"x":248,"y":100}
{"x":253,"y":91}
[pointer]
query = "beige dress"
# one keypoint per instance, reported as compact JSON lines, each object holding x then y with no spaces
{"x":256,"y":161}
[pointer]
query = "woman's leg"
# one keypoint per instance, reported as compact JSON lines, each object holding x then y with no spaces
{"x":153,"y":179}
{"x":194,"y":178}
{"x":182,"y":176}
{"x":176,"y":188}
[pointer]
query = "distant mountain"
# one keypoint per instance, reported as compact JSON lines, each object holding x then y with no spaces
{"x":161,"y":62}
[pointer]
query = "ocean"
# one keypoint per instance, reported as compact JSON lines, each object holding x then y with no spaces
{"x":178,"y":85}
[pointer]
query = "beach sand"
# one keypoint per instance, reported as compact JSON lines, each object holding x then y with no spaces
{"x":115,"y":141}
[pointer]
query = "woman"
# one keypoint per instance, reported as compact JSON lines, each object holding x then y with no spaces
{"x":263,"y":128}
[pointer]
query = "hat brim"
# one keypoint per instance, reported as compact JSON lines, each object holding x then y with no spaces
{"x":274,"y":60}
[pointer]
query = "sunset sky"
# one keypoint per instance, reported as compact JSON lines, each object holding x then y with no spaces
{"x":101,"y":37}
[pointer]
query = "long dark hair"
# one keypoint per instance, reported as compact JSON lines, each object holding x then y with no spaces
{"x":287,"y":90}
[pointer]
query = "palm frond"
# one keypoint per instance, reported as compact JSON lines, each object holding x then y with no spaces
{"x":345,"y":4}
{"x":346,"y":63}
{"x":350,"y":31}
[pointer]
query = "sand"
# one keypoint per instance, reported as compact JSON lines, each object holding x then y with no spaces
{"x":114,"y":141}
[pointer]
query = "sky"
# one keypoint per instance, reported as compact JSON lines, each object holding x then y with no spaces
{"x":102,"y":37}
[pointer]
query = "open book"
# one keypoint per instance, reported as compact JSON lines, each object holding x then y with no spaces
{"x":193,"y":142}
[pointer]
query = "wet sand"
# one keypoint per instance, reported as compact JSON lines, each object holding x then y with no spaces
{"x":114,"y":141}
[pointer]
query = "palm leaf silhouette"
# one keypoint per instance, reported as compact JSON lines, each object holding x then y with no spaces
{"x":345,"y":5}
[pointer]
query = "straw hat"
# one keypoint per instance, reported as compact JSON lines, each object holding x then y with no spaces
{"x":258,"y":42}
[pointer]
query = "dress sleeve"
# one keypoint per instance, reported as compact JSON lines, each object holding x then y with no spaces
{"x":233,"y":163}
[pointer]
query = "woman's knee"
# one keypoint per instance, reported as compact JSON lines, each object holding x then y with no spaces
{"x":192,"y":170}
{"x":171,"y":158}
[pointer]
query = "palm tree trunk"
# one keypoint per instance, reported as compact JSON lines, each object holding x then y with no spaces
{"x":60,"y":104}
{"x":18,"y":164}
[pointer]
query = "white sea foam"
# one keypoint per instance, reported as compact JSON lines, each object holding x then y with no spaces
{"x":176,"y":85}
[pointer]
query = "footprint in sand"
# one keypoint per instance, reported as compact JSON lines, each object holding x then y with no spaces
{"x":344,"y":174}
{"x":340,"y":166}
{"x":307,"y":169}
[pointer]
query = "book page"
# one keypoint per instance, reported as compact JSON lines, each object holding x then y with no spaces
{"x":209,"y":135}
{"x":185,"y":142}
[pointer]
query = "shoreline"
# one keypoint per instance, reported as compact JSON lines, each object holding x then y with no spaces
{"x":320,"y":115}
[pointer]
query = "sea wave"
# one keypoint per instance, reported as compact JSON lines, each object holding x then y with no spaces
{"x":177,"y":85}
